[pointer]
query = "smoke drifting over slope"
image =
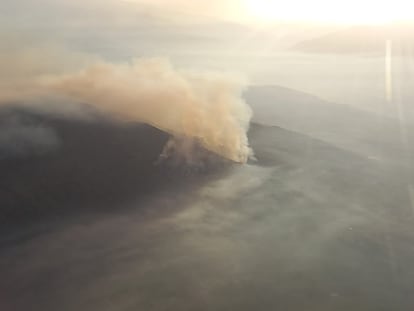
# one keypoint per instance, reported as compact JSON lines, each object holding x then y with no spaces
{"x":19,"y":138}
{"x":206,"y":109}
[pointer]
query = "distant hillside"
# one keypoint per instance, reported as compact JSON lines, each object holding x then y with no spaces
{"x":365,"y":39}
{"x":341,"y":125}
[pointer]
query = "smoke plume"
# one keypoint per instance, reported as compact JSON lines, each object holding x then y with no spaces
{"x":203,"y":108}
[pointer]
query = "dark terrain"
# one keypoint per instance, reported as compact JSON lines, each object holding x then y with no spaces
{"x":310,"y":225}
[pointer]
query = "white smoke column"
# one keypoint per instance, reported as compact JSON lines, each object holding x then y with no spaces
{"x":207,"y":108}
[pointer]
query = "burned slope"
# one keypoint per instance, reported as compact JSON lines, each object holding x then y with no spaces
{"x":52,"y":165}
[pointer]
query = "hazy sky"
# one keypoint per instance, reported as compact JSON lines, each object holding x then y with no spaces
{"x":259,"y":11}
{"x":54,"y":36}
{"x":248,"y":11}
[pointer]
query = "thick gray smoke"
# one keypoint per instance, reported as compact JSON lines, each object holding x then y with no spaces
{"x":201,"y":107}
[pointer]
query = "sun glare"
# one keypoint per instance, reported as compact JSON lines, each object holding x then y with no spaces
{"x":333,"y":11}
